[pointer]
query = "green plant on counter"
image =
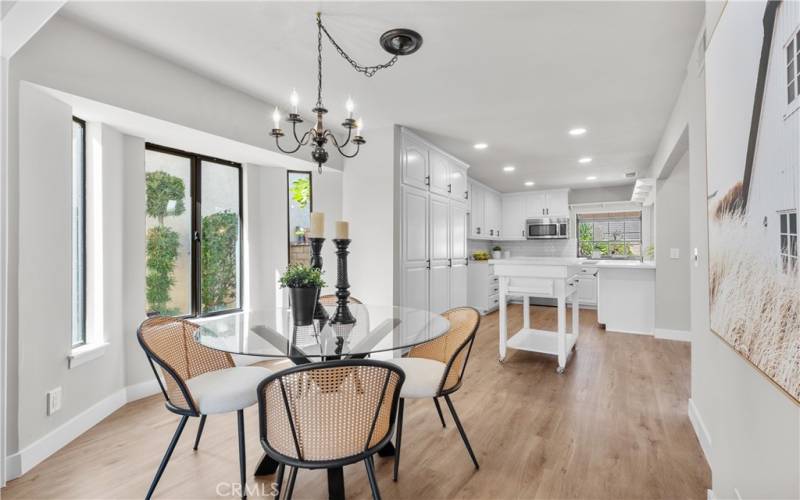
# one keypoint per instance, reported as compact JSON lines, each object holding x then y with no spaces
{"x":301,"y":276}
{"x":650,"y":252}
{"x":496,"y":248}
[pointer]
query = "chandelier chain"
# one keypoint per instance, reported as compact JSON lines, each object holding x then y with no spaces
{"x":369,"y":71}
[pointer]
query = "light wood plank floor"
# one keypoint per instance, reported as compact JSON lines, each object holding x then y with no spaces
{"x":613,"y":426}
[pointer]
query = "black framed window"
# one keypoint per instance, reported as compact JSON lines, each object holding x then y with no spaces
{"x":193,"y":233}
{"x":299,"y":207}
{"x":78,"y":216}
{"x":788,"y":240}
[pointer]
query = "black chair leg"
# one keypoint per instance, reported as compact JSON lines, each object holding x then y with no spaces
{"x":242,"y":458}
{"x":461,"y":430}
{"x":167,"y":455}
{"x":373,"y":483}
{"x":290,"y":481}
{"x":399,"y":437}
{"x":199,"y":431}
{"x":439,"y":411}
{"x":279,"y":480}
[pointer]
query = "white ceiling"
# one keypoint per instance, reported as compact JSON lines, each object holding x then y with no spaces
{"x":514,"y":75}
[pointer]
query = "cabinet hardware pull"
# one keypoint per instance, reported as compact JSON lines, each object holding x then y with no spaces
{"x":449,"y":187}
{"x":449,"y":262}
{"x":491,"y":232}
{"x":466,"y":195}
{"x":428,"y":264}
{"x":478,"y":230}
{"x":427,"y":180}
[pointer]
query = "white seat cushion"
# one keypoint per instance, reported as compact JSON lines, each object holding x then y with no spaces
{"x":423,"y":376}
{"x":227,"y":390}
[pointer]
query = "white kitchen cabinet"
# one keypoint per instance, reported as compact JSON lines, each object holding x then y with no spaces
{"x":414,"y":162}
{"x":558,"y":202}
{"x":439,"y":173}
{"x":482,"y":287}
{"x":433,"y":219}
{"x":477,"y":211}
{"x":587,"y":287}
{"x":458,"y":182}
{"x":513,"y":210}
{"x":547,"y":203}
{"x":535,"y":204}
{"x":494,"y":215}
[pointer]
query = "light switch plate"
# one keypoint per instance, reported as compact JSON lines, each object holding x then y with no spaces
{"x":674,"y":253}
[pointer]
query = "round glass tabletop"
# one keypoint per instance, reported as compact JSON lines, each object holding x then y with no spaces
{"x":272,"y":333}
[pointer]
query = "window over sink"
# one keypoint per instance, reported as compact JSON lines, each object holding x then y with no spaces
{"x":610,"y":235}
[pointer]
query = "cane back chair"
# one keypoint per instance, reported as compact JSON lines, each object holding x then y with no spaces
{"x":436,"y":369}
{"x":328,"y":415}
{"x":197,"y":381}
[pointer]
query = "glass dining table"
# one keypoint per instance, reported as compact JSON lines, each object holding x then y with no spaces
{"x":271,"y":333}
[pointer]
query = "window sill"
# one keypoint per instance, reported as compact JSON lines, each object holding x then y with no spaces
{"x":85,"y":353}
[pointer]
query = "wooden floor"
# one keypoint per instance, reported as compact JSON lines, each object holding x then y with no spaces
{"x":613,"y":426}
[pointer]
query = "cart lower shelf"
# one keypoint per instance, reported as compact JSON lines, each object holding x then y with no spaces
{"x":542,"y":341}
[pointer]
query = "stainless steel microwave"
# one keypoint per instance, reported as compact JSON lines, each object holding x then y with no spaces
{"x":547,"y":228}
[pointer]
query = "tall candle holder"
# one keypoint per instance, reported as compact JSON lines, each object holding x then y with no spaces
{"x":320,"y":314}
{"x":342,"y":314}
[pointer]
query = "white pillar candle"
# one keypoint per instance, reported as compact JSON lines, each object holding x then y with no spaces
{"x":317,"y":225}
{"x":342,"y":230}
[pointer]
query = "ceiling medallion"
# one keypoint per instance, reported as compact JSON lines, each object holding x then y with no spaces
{"x":398,"y":42}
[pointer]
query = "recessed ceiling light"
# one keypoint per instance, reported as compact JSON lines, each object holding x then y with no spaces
{"x":577,"y":131}
{"x":585,"y":159}
{"x":591,"y":178}
{"x":480,"y":145}
{"x":529,"y":183}
{"x":508,"y":168}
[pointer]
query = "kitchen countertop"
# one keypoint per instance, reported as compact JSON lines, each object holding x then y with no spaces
{"x":574,"y":261}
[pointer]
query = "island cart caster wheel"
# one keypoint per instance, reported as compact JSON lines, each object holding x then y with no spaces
{"x":560,"y":370}
{"x":501,"y":360}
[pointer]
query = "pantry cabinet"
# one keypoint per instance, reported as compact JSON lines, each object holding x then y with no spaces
{"x":433,"y":218}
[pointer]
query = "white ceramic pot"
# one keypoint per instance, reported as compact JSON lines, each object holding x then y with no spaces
{"x":497,"y":255}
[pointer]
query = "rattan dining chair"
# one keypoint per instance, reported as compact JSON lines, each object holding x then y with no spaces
{"x":197,"y":381}
{"x":328,"y":415}
{"x":436,"y":369}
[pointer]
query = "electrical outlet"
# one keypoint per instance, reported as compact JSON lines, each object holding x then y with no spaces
{"x":53,"y":400}
{"x":696,"y":257}
{"x":674,"y":253}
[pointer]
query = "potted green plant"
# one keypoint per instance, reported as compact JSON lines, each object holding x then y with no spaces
{"x":304,"y":283}
{"x":497,"y":252}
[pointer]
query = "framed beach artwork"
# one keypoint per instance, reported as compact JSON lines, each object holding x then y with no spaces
{"x":753,"y":151}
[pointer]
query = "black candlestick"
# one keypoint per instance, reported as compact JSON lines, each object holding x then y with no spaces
{"x":343,"y":314}
{"x":320,"y":313}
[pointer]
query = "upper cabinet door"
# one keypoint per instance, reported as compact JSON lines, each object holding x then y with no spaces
{"x":458,"y":231}
{"x":558,"y":202}
{"x":477,"y":212}
{"x":513,"y":217}
{"x":415,"y":162}
{"x":494,"y":218}
{"x":536,"y":204}
{"x":440,"y":173}
{"x":458,"y":182}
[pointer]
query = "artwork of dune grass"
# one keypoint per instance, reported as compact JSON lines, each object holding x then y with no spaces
{"x":754,"y":303}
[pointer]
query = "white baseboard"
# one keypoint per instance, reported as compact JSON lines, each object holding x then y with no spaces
{"x":680,"y":335}
{"x":141,"y":390}
{"x":24,"y":460}
{"x":701,"y":431}
{"x":629,"y":332}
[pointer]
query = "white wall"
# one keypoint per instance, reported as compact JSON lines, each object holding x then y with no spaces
{"x":750,"y":429}
{"x":44,"y":268}
{"x":672,"y":275}
{"x":368,"y":193}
